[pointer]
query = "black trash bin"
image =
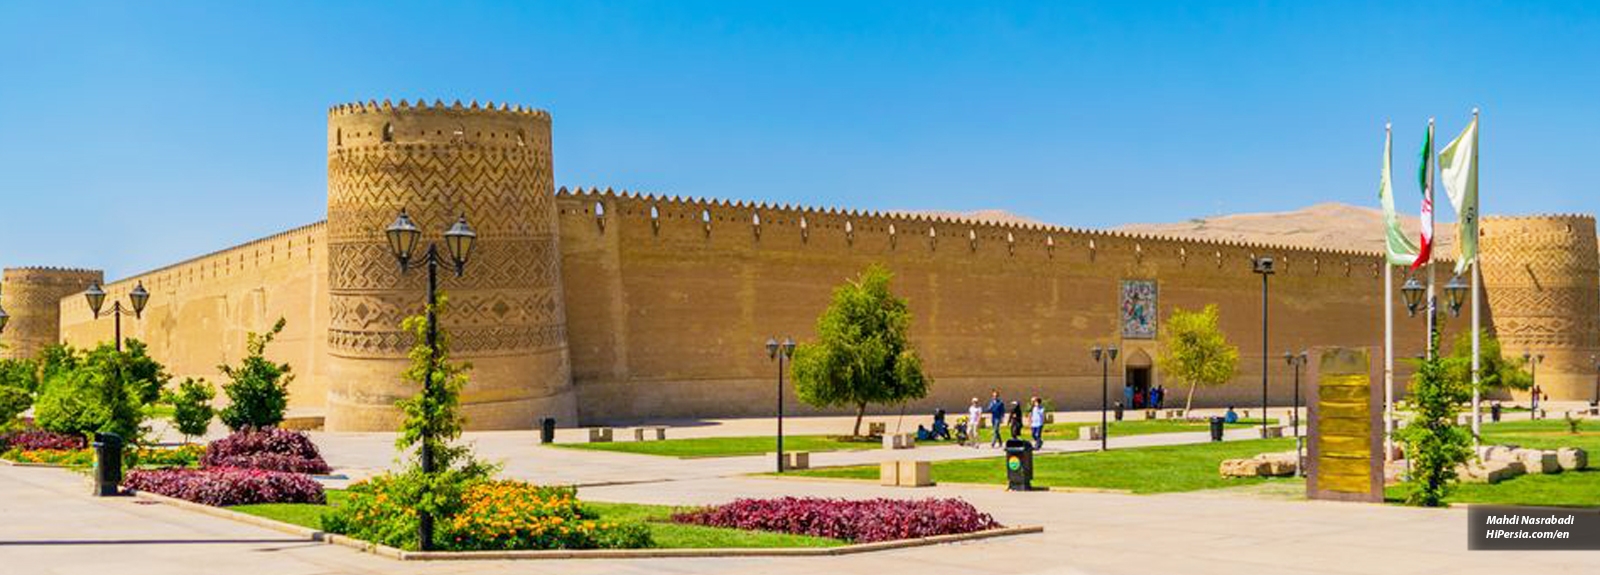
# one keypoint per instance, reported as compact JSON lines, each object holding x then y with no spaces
{"x":1119,"y":411}
{"x":547,"y":430}
{"x":1216,"y":429}
{"x":1494,"y":412}
{"x":1019,"y":465}
{"x":107,"y":464}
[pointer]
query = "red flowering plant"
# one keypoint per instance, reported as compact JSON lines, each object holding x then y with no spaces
{"x":270,"y":449}
{"x":37,"y":439}
{"x":225,"y":486}
{"x":864,"y":521}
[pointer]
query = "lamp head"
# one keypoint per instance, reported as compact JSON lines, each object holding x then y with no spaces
{"x":97,"y":298}
{"x":1263,"y":265}
{"x":1455,"y":292}
{"x":459,"y":239}
{"x":403,"y":236}
{"x":140,"y":296}
{"x":1411,"y":292}
{"x":772,"y":348}
{"x":1095,"y":351}
{"x":788,"y":347}
{"x":1113,"y":352}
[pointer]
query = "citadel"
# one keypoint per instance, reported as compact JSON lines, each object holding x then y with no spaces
{"x":593,"y":306}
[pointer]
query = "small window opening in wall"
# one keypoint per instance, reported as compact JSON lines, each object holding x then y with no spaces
{"x":805,"y":229}
{"x":460,"y":131}
{"x":849,"y":232}
{"x":705,"y":217}
{"x":388,"y":132}
{"x":338,"y":137}
{"x":522,"y":139}
{"x":599,"y":209}
{"x":655,"y":220}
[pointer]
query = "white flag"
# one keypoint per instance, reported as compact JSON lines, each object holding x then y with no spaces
{"x":1458,"y":169}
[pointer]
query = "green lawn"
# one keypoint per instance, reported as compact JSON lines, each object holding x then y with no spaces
{"x":727,"y":446}
{"x":1567,"y":489}
{"x":655,"y":517}
{"x":1069,"y":430}
{"x":1162,"y":469}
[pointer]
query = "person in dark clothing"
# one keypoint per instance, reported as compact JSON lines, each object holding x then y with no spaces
{"x":997,"y":416}
{"x":941,"y":430}
{"x":1016,"y":420}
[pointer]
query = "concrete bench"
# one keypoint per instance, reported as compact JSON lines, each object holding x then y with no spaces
{"x":599,"y":434}
{"x":905,"y":474}
{"x":648,"y":433}
{"x":876,"y":427}
{"x":1149,"y":414}
{"x":793,"y":459}
{"x":899,"y":441}
{"x":1272,"y":431}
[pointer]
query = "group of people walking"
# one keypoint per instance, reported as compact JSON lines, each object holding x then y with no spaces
{"x":1001,"y":417}
{"x":1136,"y":398}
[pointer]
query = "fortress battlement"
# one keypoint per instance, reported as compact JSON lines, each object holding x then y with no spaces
{"x":422,"y":105}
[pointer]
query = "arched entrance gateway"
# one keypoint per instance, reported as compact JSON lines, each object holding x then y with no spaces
{"x":1137,"y":369}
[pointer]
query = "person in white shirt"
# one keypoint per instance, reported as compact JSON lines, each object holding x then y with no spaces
{"x":974,"y":418}
{"x":1036,"y":421}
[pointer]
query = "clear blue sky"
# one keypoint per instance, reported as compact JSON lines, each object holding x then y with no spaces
{"x":139,"y":133}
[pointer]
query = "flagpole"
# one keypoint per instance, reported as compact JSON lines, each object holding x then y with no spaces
{"x":1388,"y":339}
{"x":1432,"y":302}
{"x":1477,"y":283}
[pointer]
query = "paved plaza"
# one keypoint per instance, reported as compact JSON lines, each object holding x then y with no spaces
{"x":49,"y":525}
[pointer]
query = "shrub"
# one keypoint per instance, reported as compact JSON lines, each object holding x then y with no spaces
{"x":1434,"y":444}
{"x":228,"y":486}
{"x":191,"y":407}
{"x":13,"y":401}
{"x":270,"y":449}
{"x":258,"y":390}
{"x":103,"y":391}
{"x":34,"y":439}
{"x":487,"y":515}
{"x":187,"y":455}
{"x":863,"y":521}
{"x":22,"y":374}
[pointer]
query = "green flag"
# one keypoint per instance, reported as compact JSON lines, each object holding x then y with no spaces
{"x":1458,"y":168}
{"x":1401,"y":250}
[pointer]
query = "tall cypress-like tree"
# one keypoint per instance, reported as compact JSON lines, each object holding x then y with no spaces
{"x":862,"y":354}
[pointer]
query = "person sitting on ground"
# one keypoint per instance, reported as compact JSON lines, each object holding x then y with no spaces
{"x":922,"y":433}
{"x":1230,"y":416}
{"x":1016,"y":420}
{"x":941,"y":430}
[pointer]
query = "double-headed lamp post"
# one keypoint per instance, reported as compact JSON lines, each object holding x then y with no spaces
{"x":1298,"y":361}
{"x":403,"y":236}
{"x":1533,"y":360}
{"x":1105,"y":357}
{"x":1455,"y":292}
{"x":97,"y":299}
{"x":782,"y":353}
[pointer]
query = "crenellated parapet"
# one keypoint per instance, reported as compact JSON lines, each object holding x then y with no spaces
{"x":437,"y":162}
{"x":736,"y":224}
{"x":1541,"y":274}
{"x":32,"y":296}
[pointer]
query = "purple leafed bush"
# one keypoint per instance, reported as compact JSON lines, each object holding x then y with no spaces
{"x":223,"y":486}
{"x":38,"y":439}
{"x":270,"y":449}
{"x":864,"y":521}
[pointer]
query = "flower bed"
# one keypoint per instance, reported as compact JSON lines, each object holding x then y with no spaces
{"x":270,"y":449}
{"x":225,"y":486}
{"x":864,"y":521}
{"x":63,"y":457}
{"x":493,"y":515}
{"x":181,"y":456}
{"x":37,"y":439}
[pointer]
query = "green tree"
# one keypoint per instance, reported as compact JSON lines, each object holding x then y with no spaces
{"x":258,"y":390}
{"x":19,"y":379}
{"x":148,"y":376}
{"x":1434,"y":444}
{"x":191,"y":407}
{"x":862,"y":354}
{"x":1495,"y":370}
{"x":1194,"y":351}
{"x":96,"y":395}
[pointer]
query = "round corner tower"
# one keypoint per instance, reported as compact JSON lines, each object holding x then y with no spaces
{"x":1541,"y":275}
{"x":33,"y":298}
{"x":505,"y":316}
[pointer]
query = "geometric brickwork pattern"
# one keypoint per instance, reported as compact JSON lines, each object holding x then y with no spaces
{"x":437,"y":162}
{"x":32,"y":296}
{"x":1542,"y":279}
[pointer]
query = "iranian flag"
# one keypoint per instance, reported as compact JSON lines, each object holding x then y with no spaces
{"x":1425,"y":179}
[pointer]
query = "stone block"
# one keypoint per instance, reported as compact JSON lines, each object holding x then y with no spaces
{"x":638,"y":434}
{"x":1280,"y":464}
{"x":1089,"y":433}
{"x":876,"y":428}
{"x":1149,"y":414}
{"x":899,"y":441}
{"x":798,"y":460}
{"x":599,"y":434}
{"x":1271,"y":431}
{"x":1572,"y":458}
{"x":660,"y":433}
{"x":1493,"y":471}
{"x":1248,"y":467}
{"x":1538,"y":461}
{"x":889,"y":473}
{"x":915,"y":473}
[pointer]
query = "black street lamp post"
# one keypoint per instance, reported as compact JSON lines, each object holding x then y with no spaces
{"x":1105,"y":357}
{"x":97,"y":299}
{"x":782,"y":353}
{"x":1263,"y":266}
{"x":1593,"y":360}
{"x":1533,"y":360}
{"x":403,"y":236}
{"x":1297,"y":361}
